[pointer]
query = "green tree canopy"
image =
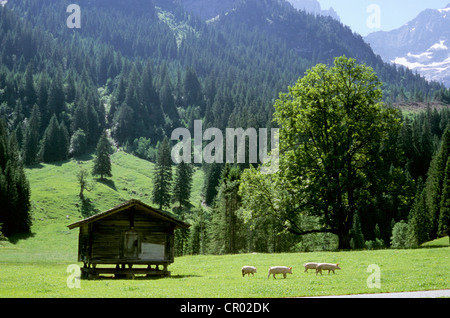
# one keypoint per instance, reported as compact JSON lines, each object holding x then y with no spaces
{"x":332,"y":128}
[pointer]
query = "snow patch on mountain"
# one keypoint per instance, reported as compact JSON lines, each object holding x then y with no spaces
{"x":434,"y":63}
{"x":439,"y":46}
{"x":421,"y":45}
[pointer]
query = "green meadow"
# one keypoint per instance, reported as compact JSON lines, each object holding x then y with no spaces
{"x":36,"y":266}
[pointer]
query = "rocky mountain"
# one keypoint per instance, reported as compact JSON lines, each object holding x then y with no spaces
{"x":209,"y":9}
{"x":422,"y":45}
{"x":313,"y":6}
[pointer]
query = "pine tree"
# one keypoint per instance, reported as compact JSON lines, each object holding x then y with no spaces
{"x":42,"y":99}
{"x":192,"y":89}
{"x":123,"y":123}
{"x":56,"y":99}
{"x":55,"y":142}
{"x":212,"y":179}
{"x":183,"y":184}
{"x":102,"y":163}
{"x":78,"y":143}
{"x":419,"y":219}
{"x":168,"y":104}
{"x":31,"y":141}
{"x":150,"y":97}
{"x":444,"y":213}
{"x":357,"y":240}
{"x":28,"y":91}
{"x":14,"y":187}
{"x":227,"y":232}
{"x":435,"y":182}
{"x":163,"y":176}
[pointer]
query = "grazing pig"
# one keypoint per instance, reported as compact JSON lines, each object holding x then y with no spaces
{"x":326,"y":267}
{"x":279,"y":270}
{"x":248,"y":270}
{"x":310,"y":266}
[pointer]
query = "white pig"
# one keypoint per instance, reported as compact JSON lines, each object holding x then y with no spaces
{"x":310,"y":266}
{"x":248,"y":270}
{"x":279,"y":270}
{"x":326,"y":267}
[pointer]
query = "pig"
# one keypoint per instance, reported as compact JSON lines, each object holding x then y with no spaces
{"x":279,"y":270}
{"x":248,"y":270}
{"x":327,"y":267}
{"x":310,"y":266}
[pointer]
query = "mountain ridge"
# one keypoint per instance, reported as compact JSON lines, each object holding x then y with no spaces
{"x":314,"y":7}
{"x":421,"y":44}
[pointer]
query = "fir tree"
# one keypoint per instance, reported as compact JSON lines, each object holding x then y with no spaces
{"x":212,"y":179}
{"x":227,"y":232}
{"x":102,"y":163}
{"x":78,"y":143}
{"x":419,"y":219}
{"x":31,"y":140}
{"x":28,"y":91}
{"x":163,"y":176}
{"x":56,"y":99}
{"x":192,"y":89}
{"x":357,"y":240}
{"x":14,"y":187}
{"x":54,"y":145}
{"x":435,"y":182}
{"x":444,"y":213}
{"x":183,"y":184}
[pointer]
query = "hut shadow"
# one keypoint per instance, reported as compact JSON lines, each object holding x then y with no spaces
{"x":155,"y":277}
{"x":145,"y":277}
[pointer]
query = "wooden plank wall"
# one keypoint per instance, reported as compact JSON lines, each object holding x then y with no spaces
{"x":107,"y":236}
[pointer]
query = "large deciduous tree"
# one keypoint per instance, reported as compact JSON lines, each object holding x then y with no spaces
{"x":333,"y":127}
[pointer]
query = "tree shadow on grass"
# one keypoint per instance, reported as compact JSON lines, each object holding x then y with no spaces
{"x":107,"y":182}
{"x":85,"y":157}
{"x":87,"y":208}
{"x":14,"y":239}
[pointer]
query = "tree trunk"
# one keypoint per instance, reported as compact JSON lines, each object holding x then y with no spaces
{"x":344,"y":240}
{"x":81,"y":193}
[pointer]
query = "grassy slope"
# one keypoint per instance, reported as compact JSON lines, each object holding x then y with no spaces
{"x":56,"y":204}
{"x":37,"y":266}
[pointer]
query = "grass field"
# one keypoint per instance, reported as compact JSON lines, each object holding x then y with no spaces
{"x":36,"y":266}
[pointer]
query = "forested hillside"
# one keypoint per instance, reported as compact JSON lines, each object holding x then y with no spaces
{"x":140,"y":69}
{"x":160,"y":68}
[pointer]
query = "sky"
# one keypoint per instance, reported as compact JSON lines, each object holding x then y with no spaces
{"x":366,"y":16}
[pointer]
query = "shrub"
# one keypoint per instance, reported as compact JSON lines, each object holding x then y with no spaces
{"x":374,"y":245}
{"x":2,"y":237}
{"x":400,"y":235}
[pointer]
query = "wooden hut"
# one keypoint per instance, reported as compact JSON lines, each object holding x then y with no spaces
{"x":129,"y":234}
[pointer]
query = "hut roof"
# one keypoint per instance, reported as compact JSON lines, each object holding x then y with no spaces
{"x":126,"y":205}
